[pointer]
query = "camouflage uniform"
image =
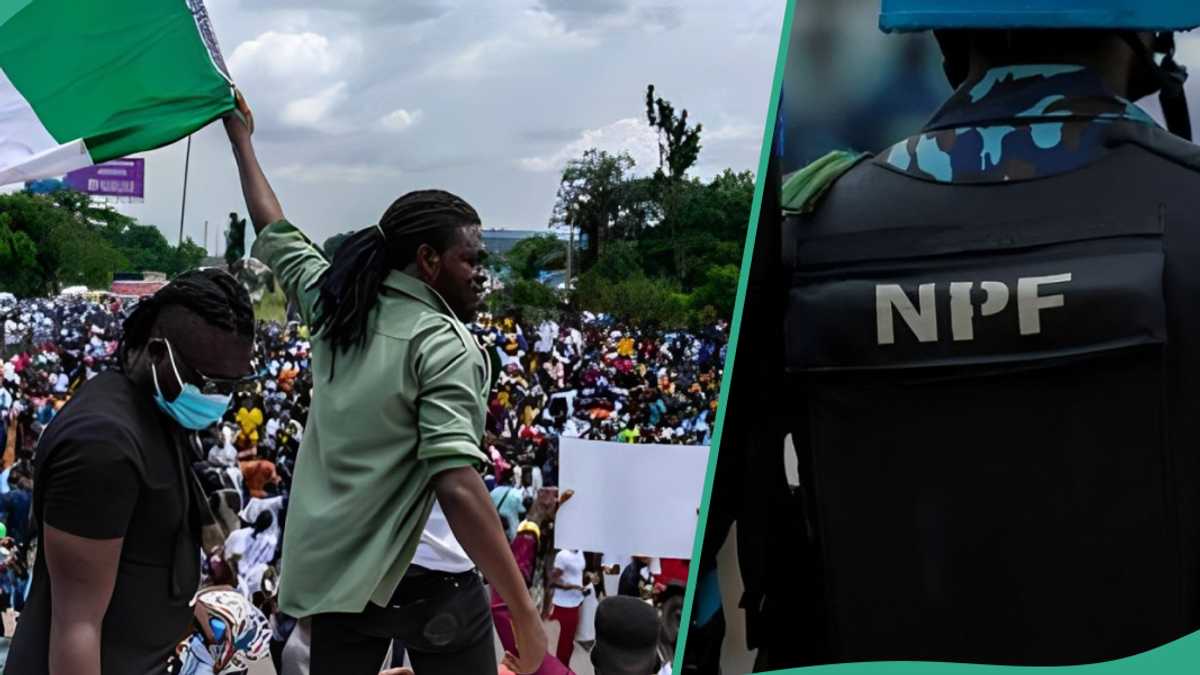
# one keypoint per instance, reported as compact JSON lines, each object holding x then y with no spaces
{"x":1016,"y":123}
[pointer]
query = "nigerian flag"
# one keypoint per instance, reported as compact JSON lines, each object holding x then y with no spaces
{"x":85,"y":81}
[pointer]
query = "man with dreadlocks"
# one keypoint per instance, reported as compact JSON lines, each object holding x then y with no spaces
{"x":397,"y":419}
{"x":119,"y":513}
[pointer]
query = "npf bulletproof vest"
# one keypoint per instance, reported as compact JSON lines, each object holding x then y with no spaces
{"x":998,"y":406}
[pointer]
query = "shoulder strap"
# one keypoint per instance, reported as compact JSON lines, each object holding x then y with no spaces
{"x":803,"y":190}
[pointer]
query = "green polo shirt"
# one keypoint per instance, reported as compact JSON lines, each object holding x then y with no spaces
{"x":406,"y":406}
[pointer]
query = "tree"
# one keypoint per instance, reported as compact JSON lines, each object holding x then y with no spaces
{"x":20,"y":273}
{"x":590,"y":196}
{"x":678,"y":150}
{"x":68,"y":248}
{"x":71,"y":241}
{"x":718,"y":292}
{"x":678,"y":144}
{"x":187,"y":256}
{"x":533,"y":255}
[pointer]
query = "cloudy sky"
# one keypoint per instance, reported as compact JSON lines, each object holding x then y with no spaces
{"x":356,"y":105}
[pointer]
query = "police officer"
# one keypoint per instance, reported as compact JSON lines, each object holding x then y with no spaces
{"x":991,"y":350}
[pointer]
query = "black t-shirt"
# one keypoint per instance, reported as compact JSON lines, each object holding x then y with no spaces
{"x":110,"y":465}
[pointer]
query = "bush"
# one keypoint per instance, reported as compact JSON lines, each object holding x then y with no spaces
{"x":529,"y":300}
{"x":719,"y":290}
{"x":636,"y":298}
{"x":528,"y":293}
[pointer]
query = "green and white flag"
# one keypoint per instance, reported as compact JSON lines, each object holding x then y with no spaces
{"x":85,"y":81}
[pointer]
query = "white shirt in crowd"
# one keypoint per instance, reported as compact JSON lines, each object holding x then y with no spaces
{"x":571,"y":563}
{"x":547,"y":332}
{"x":272,"y":427}
{"x":439,"y":550}
{"x":257,"y":505}
{"x":256,"y":554}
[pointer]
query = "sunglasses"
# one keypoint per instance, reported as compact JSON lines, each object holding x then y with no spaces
{"x":223,"y":386}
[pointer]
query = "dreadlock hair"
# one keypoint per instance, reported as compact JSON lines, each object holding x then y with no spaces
{"x":349,"y":289}
{"x":213,"y":295}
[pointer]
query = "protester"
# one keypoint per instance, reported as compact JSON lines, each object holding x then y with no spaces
{"x":388,"y":313}
{"x":627,"y":631}
{"x":251,"y":550}
{"x":114,"y":503}
{"x":567,"y":580}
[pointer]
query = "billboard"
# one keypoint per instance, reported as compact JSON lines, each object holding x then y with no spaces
{"x":114,"y":178}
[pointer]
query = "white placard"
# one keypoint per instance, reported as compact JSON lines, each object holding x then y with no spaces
{"x":630,"y":498}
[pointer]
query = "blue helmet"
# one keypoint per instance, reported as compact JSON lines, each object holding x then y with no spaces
{"x":1125,"y":17}
{"x":1131,"y":15}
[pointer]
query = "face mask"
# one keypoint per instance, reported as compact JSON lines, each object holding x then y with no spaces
{"x":192,"y":409}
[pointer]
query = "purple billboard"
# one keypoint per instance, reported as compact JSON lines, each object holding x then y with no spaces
{"x":115,"y":178}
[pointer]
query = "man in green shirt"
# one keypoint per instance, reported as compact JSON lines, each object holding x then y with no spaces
{"x":397,"y":418}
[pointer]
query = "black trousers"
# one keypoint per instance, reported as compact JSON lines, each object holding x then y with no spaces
{"x":444,"y":620}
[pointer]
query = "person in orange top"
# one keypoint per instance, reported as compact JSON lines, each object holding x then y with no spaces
{"x":287,"y":379}
{"x":258,"y":473}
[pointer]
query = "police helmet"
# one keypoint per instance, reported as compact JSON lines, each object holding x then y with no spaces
{"x":1124,"y":17}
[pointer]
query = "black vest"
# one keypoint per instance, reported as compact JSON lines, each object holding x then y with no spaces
{"x":997,"y":408}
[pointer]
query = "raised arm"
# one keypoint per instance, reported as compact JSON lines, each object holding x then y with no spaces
{"x":296,"y":262}
{"x":260,"y":198}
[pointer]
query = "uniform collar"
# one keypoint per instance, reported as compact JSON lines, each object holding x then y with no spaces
{"x":407,"y":284}
{"x":1033,"y":94}
{"x":1018,"y":123}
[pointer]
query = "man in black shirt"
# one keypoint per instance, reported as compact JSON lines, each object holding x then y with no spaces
{"x":116,"y":505}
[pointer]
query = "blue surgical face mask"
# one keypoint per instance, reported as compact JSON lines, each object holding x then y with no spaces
{"x":192,"y":409}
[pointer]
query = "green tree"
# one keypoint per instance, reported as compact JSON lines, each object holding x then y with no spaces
{"x":20,"y":273}
{"x":678,"y":143}
{"x":718,"y":292}
{"x":590,"y":196}
{"x":85,"y":257}
{"x":619,"y":261}
{"x":636,"y":298}
{"x":144,"y":246}
{"x":533,"y":255}
{"x":525,"y":298}
{"x":187,"y":256}
{"x":68,"y":245}
{"x":678,"y":150}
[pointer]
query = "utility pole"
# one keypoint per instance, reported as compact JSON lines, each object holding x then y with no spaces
{"x":206,"y":251}
{"x":183,"y":205}
{"x":570,"y":252}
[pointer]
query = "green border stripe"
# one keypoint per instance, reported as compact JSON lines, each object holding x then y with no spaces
{"x":1175,"y":658}
{"x":747,"y":256}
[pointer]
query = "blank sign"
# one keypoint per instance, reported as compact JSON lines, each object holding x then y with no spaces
{"x":630,"y":499}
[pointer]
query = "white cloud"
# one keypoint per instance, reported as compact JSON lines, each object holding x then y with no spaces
{"x":400,"y":119}
{"x":336,"y":172}
{"x":282,"y":56}
{"x":313,"y":111}
{"x":732,"y":132}
{"x":536,"y":34}
{"x":297,"y":79}
{"x":629,"y":135}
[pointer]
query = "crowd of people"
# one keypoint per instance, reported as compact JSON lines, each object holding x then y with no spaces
{"x":588,"y":377}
